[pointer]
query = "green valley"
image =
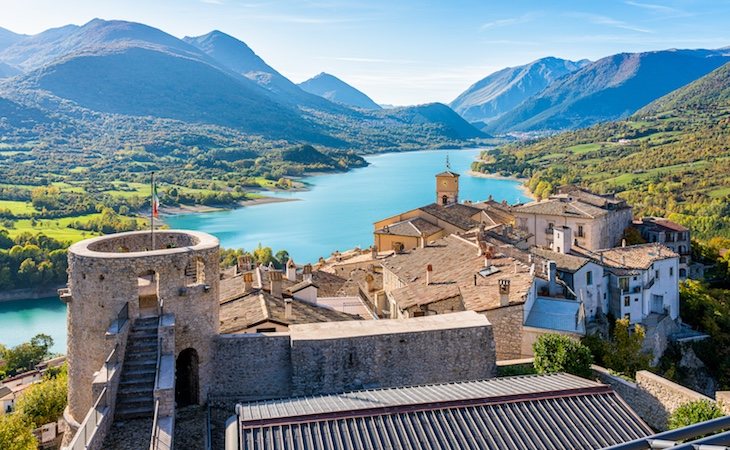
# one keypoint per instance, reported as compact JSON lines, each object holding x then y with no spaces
{"x":671,"y":158}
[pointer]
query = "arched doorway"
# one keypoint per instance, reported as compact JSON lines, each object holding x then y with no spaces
{"x":186,"y":378}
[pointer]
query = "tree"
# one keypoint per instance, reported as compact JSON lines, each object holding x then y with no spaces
{"x":263,"y":255}
{"x":694,"y":412}
{"x":27,"y":355}
{"x":16,"y":433}
{"x":45,"y":401}
{"x":560,"y":353}
{"x":625,"y":354}
{"x":633,"y":236}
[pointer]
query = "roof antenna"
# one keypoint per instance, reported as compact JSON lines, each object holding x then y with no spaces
{"x":448,"y":164}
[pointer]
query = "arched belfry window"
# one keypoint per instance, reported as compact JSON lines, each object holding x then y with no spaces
{"x":444,"y":200}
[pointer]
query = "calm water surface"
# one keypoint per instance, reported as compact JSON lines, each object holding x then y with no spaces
{"x":20,"y":320}
{"x":337,"y":213}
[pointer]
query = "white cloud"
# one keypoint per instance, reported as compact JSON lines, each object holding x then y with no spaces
{"x":655,"y":8}
{"x":508,"y":21}
{"x":608,"y":21}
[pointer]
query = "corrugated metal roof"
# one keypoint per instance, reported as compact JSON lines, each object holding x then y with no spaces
{"x":533,"y":412}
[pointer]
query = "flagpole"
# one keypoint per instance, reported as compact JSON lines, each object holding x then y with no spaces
{"x":152,"y":210}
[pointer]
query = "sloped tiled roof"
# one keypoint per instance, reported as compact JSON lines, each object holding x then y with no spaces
{"x":456,"y":261}
{"x":557,"y":411}
{"x":421,"y":294}
{"x":561,"y":207}
{"x":448,"y":173}
{"x":259,"y":306}
{"x":568,"y":263}
{"x":640,"y":256}
{"x":456,"y":214}
{"x":660,"y":224}
{"x":415,"y":227}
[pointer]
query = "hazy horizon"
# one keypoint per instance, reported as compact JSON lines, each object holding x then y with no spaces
{"x":409,"y":52}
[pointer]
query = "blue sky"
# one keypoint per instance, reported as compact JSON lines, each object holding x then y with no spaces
{"x":407,"y":52}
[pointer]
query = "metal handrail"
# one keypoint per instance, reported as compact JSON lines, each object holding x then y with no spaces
{"x":155,"y":435}
{"x":111,"y":361}
{"x":685,"y":433}
{"x":122,"y":318}
{"x":90,"y":424}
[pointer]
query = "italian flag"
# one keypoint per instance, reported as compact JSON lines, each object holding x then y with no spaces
{"x":155,"y":201}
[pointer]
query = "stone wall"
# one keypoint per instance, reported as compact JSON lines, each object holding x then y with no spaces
{"x":103,"y":278}
{"x":330,"y":357}
{"x":390,"y":360}
{"x":652,"y":397}
{"x":507,"y":328}
{"x":252,"y":366}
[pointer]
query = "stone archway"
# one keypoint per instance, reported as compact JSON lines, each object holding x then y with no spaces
{"x":186,"y":378}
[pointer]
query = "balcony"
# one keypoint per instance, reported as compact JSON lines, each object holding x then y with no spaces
{"x":649,"y":283}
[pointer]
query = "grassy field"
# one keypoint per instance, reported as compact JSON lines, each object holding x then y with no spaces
{"x":56,"y":228}
{"x":17,"y":207}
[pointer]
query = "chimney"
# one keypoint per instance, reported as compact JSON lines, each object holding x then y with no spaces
{"x":623,"y":242}
{"x":291,"y":270}
{"x":247,"y":281}
{"x":562,"y":240}
{"x":552,"y":278}
{"x":373,"y":252}
{"x":504,"y":292}
{"x":275,"y":278}
{"x":287,"y":308}
{"x":532,"y":269}
{"x":307,"y":273}
{"x":482,"y":247}
{"x":244,"y":263}
{"x":259,"y":277}
{"x":369,"y":279}
{"x":423,"y":240}
{"x":429,"y":269}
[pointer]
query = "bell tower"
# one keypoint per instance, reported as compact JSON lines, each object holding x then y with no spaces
{"x":447,"y":186}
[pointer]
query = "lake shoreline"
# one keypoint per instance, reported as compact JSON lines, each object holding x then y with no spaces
{"x":523,"y":181}
{"x":29,"y":294}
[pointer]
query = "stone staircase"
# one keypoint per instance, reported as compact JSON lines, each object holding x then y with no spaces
{"x":135,"y":395}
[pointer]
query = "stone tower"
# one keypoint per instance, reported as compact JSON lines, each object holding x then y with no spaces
{"x":109,"y":274}
{"x":447,"y":188}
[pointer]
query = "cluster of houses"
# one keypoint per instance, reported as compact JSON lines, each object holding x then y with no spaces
{"x":561,"y":265}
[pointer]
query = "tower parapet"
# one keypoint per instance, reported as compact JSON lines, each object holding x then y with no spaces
{"x":110,"y":273}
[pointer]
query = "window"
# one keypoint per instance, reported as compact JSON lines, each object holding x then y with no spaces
{"x":671,"y":271}
{"x":627,"y":316}
{"x":580,"y":231}
{"x":627,"y":301}
{"x":418,"y":313}
{"x":656,"y":274}
{"x":266,"y":330}
{"x":589,"y":277}
{"x":634,"y":278}
{"x":444,"y":200}
{"x":623,"y":284}
{"x":551,"y":225}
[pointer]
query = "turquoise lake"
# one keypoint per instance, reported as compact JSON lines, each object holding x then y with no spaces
{"x":338,"y":210}
{"x":336,"y":213}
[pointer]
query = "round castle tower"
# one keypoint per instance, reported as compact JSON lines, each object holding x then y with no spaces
{"x":110,"y":273}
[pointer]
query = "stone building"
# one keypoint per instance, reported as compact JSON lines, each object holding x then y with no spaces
{"x":417,"y":227}
{"x":121,"y":276}
{"x":596,"y":221}
{"x":144,"y":337}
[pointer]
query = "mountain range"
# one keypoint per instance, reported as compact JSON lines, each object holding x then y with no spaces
{"x":125,"y":72}
{"x":500,"y":92}
{"x":337,"y":91}
{"x":552,"y":94}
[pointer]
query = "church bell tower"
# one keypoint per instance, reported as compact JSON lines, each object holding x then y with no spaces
{"x":447,"y":186}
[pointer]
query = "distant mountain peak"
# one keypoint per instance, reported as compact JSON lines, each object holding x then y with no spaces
{"x":500,"y":92}
{"x":335,"y":90}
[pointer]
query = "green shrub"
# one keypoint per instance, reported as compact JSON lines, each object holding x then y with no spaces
{"x":16,"y":433}
{"x":45,"y":401}
{"x":559,"y":353}
{"x":694,"y":412}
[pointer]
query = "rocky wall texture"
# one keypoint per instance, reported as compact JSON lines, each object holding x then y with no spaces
{"x":258,"y":366}
{"x":507,"y":328}
{"x":652,"y":397}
